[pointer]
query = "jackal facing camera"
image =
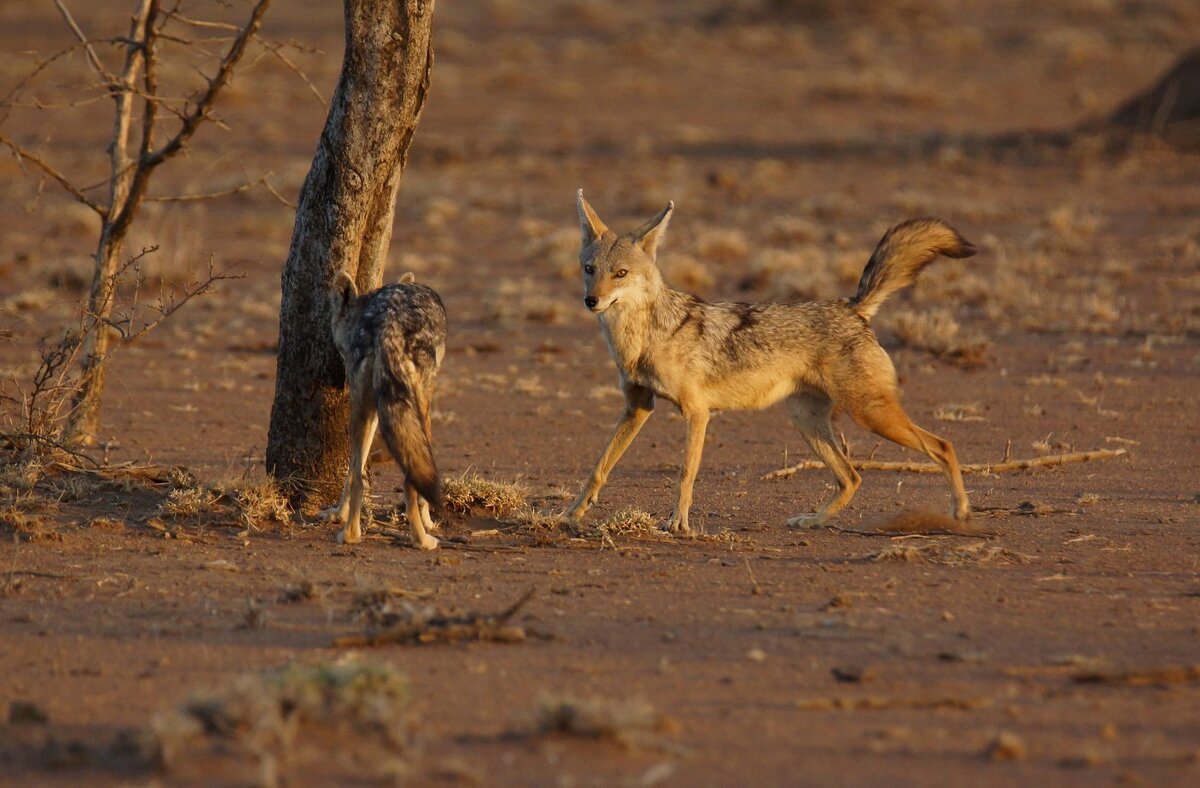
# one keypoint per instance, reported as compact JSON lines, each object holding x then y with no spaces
{"x":730,"y":356}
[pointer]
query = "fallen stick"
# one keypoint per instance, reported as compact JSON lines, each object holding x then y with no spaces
{"x":978,"y":467}
{"x":1176,"y":674}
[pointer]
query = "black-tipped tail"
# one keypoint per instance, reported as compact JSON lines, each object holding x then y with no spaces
{"x":901,"y":254}
{"x":403,"y":423}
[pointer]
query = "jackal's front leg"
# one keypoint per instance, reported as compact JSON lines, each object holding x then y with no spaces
{"x":639,"y":404}
{"x":697,"y":424}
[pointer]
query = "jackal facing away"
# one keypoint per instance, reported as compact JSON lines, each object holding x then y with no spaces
{"x":726,"y":356}
{"x":392,"y":341}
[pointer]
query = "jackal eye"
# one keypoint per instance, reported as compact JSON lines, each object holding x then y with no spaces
{"x":589,"y":269}
{"x":620,"y":274}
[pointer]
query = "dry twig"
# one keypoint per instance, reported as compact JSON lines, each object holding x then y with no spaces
{"x":1174,"y":674}
{"x":425,"y":624}
{"x":1049,"y":460}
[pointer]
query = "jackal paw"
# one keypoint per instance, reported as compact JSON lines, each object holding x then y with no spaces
{"x":334,"y":514}
{"x":815,"y":520}
{"x":676,"y":525}
{"x":961,"y":512}
{"x":427,"y":543}
{"x":346,"y":537}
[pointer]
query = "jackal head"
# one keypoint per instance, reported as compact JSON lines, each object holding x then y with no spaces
{"x":619,"y":269}
{"x":343,"y":297}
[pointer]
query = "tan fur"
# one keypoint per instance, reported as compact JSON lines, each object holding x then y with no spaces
{"x":704,"y":357}
{"x":390,"y":388}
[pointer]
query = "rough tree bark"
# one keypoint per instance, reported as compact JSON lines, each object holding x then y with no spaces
{"x":344,"y":222}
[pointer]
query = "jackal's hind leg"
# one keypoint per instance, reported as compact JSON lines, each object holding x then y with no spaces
{"x":887,"y":419}
{"x":811,"y":414}
{"x":416,"y":519}
{"x":426,"y":519}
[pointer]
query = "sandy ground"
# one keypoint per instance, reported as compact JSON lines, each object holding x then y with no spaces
{"x":1061,"y":647}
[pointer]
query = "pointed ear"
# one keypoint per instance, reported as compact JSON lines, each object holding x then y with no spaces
{"x":342,"y":293}
{"x":649,"y":234}
{"x":589,"y":220}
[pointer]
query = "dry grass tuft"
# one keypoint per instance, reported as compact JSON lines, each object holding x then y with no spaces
{"x":957,"y":411}
{"x":722,"y":246}
{"x":254,"y":616}
{"x":537,"y":522}
{"x":27,"y":528}
{"x":630,"y":522}
{"x":244,"y":501}
{"x":937,"y":331}
{"x":257,"y":500}
{"x":11,"y":584}
{"x":514,"y":301}
{"x":302,"y":590}
{"x":280,"y":723}
{"x":627,"y":722}
{"x":1067,"y":228}
{"x":780,"y":230}
{"x":685,"y":272}
{"x":21,"y":475}
{"x":790,"y":274}
{"x":627,"y":522}
{"x":946,"y":554}
{"x":391,"y":620}
{"x":470,"y":491}
{"x":189,"y":501}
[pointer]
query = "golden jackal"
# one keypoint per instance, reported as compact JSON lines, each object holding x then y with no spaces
{"x":392,"y":341}
{"x":705,"y":357}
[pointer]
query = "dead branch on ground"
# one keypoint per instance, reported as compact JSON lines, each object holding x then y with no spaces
{"x":1048,"y":461}
{"x":1174,"y":674}
{"x":425,"y":624}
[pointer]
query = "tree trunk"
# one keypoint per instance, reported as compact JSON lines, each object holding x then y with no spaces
{"x":85,"y":413}
{"x":344,"y":222}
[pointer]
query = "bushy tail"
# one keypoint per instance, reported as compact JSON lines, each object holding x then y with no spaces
{"x":403,"y":407}
{"x":901,"y":254}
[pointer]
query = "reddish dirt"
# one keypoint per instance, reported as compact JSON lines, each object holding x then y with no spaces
{"x":1091,"y":302}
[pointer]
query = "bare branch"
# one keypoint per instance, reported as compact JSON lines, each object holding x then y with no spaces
{"x":15,"y":439}
{"x":105,"y":75}
{"x":24,"y":154}
{"x":276,"y":49}
{"x":151,"y":159}
{"x":43,"y":105}
{"x":243,"y":187}
{"x":200,"y":23}
{"x":169,"y":306}
{"x":275,"y":193}
{"x":979,"y":467}
{"x":37,"y":69}
{"x":216,"y":83}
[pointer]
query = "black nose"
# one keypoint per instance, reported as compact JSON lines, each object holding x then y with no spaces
{"x":591,"y":301}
